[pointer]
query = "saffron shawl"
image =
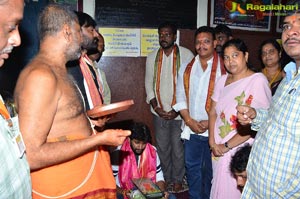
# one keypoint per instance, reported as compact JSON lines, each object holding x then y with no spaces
{"x":96,"y":95}
{"x":3,"y":110}
{"x":157,"y":73}
{"x":212,"y":79}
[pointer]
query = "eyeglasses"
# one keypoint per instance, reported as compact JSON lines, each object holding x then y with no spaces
{"x":269,"y":52}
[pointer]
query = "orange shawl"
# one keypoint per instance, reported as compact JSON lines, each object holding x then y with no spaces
{"x":157,"y":73}
{"x":212,"y":79}
{"x":3,"y":110}
{"x":96,"y":95}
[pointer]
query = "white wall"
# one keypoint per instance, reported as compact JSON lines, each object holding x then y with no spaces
{"x":202,"y":13}
{"x":89,"y":8}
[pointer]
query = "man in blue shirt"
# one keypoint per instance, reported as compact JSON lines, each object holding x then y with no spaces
{"x":274,"y":162}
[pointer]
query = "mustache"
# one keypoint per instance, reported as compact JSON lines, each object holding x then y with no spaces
{"x":201,"y":48}
{"x":96,"y":40}
{"x":163,"y":42}
{"x":7,"y":50}
{"x":291,"y":39}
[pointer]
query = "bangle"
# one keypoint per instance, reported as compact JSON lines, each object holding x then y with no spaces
{"x":155,"y":108}
{"x":213,"y":146}
{"x":227,"y":146}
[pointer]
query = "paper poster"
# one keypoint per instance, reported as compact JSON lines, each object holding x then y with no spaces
{"x":121,"y":42}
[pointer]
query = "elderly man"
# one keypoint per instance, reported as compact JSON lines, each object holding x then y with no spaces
{"x":274,"y":162}
{"x":15,"y":174}
{"x":65,"y":154}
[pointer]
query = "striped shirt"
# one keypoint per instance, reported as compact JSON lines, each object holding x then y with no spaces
{"x":274,"y":163}
{"x":15,"y":174}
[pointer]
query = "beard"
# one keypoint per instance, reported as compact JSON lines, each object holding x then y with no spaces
{"x":89,"y":44}
{"x":6,"y":50}
{"x":219,"y":48}
{"x":92,"y":51}
{"x":137,"y":152}
{"x":74,"y":51}
{"x":166,"y":45}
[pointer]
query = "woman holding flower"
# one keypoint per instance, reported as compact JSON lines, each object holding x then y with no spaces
{"x":241,"y":86}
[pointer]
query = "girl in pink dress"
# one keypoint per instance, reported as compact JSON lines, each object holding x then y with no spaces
{"x":239,"y":87}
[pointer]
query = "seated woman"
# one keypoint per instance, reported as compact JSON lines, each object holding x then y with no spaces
{"x":242,"y":85}
{"x":270,"y":55}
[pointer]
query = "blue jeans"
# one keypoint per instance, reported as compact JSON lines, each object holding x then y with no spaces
{"x":198,"y":166}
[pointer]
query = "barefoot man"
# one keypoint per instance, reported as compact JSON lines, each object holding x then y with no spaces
{"x":64,"y":153}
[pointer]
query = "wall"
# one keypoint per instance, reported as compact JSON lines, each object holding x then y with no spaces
{"x":126,"y":75}
{"x":126,"y":79}
{"x":89,"y":7}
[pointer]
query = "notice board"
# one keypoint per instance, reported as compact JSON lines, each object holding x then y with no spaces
{"x":146,"y":13}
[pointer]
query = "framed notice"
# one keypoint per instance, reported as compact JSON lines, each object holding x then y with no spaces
{"x":242,"y":14}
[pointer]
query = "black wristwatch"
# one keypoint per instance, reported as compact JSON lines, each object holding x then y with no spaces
{"x":226,"y":145}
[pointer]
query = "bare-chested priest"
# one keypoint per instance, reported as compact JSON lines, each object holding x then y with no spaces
{"x":65,"y":154}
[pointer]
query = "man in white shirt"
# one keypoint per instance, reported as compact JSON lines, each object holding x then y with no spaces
{"x":193,"y":95}
{"x":162,"y":67}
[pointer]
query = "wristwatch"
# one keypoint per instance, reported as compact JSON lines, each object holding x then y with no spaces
{"x":227,"y":146}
